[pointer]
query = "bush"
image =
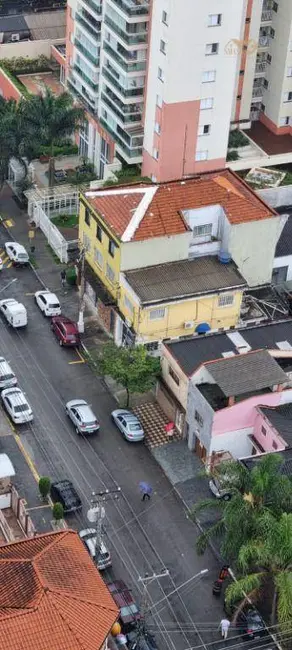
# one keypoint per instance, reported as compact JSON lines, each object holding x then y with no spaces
{"x":232,"y":155}
{"x":44,"y":486}
{"x":23,"y":65}
{"x":58,"y":511}
{"x":237,"y":139}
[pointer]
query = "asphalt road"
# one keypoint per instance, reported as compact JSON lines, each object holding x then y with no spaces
{"x":142,"y":537}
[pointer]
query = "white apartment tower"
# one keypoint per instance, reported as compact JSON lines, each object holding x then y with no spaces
{"x":163,"y":81}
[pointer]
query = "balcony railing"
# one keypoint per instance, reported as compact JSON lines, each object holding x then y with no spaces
{"x":84,"y":76}
{"x":133,"y":118}
{"x":87,"y":102}
{"x":261,"y":67}
{"x":83,"y":50}
{"x":130,"y":39}
{"x":257,"y":91}
{"x":128,"y":67}
{"x":130,"y":152}
{"x":132,"y":7}
{"x":264,"y":41}
{"x":91,"y":28}
{"x":254,"y":115}
{"x":93,"y":6}
{"x":267,"y":15}
{"x":126,"y":92}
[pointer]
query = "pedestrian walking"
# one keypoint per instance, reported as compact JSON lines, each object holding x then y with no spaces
{"x":224,"y":626}
{"x":63,"y":278}
{"x":146,"y":490}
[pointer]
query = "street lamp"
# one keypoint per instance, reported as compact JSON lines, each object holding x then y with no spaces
{"x":198,"y":575}
{"x":8,"y":285}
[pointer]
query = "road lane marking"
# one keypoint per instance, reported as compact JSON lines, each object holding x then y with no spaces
{"x":27,"y":458}
{"x":72,"y":363}
{"x":79,"y":355}
{"x":29,"y":294}
{"x":9,"y":223}
{"x":45,"y":505}
{"x":5,"y":259}
{"x":9,"y":265}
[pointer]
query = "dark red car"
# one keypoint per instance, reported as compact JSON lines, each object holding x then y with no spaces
{"x":66,"y":331}
{"x":129,"y":612}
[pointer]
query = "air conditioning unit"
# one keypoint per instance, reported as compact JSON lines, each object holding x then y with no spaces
{"x":15,"y":37}
{"x":189,"y":324}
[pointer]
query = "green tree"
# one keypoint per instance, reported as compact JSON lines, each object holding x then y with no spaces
{"x":44,"y":486}
{"x":132,"y":367}
{"x":49,"y":119}
{"x":266,"y":562}
{"x":14,"y":142}
{"x":254,"y":492}
{"x":58,"y":511}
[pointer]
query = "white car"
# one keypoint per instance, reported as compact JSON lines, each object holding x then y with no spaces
{"x":48,"y":303}
{"x":7,"y":376}
{"x":1,"y":264}
{"x":17,"y":405}
{"x":17,"y":253}
{"x":88,"y":537}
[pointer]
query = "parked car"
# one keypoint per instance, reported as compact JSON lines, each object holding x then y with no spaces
{"x":129,"y":612}
{"x":48,"y":303}
{"x":129,"y":425}
{"x":65,"y":330}
{"x":82,"y":416}
{"x":88,"y":537}
{"x":60,"y":174}
{"x":64,"y":492}
{"x":145,"y":641}
{"x":17,"y":405}
{"x":1,"y":264}
{"x":17,"y":253}
{"x":7,"y":376}
{"x":14,"y":312}
{"x":251,"y":624}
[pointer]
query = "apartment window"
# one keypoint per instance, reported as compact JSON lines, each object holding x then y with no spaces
{"x":226,"y":300}
{"x":173,"y":375}
{"x":202,"y":155}
{"x":164,"y":18}
{"x":110,"y":274}
{"x":128,"y":304}
{"x":204,"y":129}
{"x":98,"y":233}
{"x":157,"y":128}
{"x":289,"y":72}
{"x":214,"y":20}
{"x":153,"y":178}
{"x":157,"y":314}
{"x":155,"y":154}
{"x":206,"y":103}
{"x":264,"y":431}
{"x":265,"y":83}
{"x":86,"y":243}
{"x":274,"y":445}
{"x":160,"y":74}
{"x":288,"y":96}
{"x":159,"y":101}
{"x":241,"y":73}
{"x":275,"y":6}
{"x":238,"y":97}
{"x":199,"y":418}
{"x":211,"y":48}
{"x":272,"y":32}
{"x":98,"y":258}
{"x":208,"y":76}
{"x":284,"y":121}
{"x":203,"y":230}
{"x":152,"y":347}
{"x":162,"y":46}
{"x":87,"y":217}
{"x":111,"y":248}
{"x":269,"y":59}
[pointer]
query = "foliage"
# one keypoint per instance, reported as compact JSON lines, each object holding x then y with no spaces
{"x":66,"y":149}
{"x":262,"y":489}
{"x":65,"y":220}
{"x":58,"y":511}
{"x":237,"y":139}
{"x":16,"y":82}
{"x":49,"y":119}
{"x":131,"y":367}
{"x":44,"y":486}
{"x":14,"y":142}
{"x":268,"y":557}
{"x":26,"y":65}
{"x":232,"y":155}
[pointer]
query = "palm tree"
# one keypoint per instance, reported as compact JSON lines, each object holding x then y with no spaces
{"x":262,"y":489}
{"x":13,"y":140}
{"x":268,"y":557}
{"x":49,"y":119}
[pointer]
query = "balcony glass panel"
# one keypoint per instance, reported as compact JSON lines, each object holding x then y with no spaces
{"x":84,"y":76}
{"x":128,"y":67}
{"x":130,"y":39}
{"x":95,"y":7}
{"x":132,"y":118}
{"x":88,"y":55}
{"x":132,"y":7}
{"x":126,"y":92}
{"x":130,"y":152}
{"x":93,"y":29}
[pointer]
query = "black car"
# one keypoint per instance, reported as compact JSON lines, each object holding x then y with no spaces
{"x":64,"y":492}
{"x":251,"y":624}
{"x":145,"y":641}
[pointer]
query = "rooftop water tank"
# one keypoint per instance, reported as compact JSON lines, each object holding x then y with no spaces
{"x":224,"y":257}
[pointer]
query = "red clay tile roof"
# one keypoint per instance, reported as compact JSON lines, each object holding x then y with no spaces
{"x":164,"y":214}
{"x":51,"y":596}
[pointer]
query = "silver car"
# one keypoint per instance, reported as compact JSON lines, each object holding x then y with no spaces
{"x":82,"y":416}
{"x":129,"y":425}
{"x":88,"y":536}
{"x":7,"y":376}
{"x":17,"y":405}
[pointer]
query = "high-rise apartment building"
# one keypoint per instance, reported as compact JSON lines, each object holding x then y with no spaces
{"x":163,"y":81}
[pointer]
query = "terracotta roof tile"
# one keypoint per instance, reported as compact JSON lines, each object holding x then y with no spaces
{"x":164,"y":215}
{"x":52,"y":596}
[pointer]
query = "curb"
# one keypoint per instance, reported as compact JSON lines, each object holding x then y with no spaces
{"x":2,"y":223}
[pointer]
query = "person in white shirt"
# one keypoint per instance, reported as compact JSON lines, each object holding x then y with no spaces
{"x":224,"y":626}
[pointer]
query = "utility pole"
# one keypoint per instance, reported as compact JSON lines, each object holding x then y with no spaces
{"x":81,"y":262}
{"x":96,"y":515}
{"x":145,"y":598}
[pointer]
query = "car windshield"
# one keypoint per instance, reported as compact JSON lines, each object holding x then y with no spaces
{"x":20,"y":408}
{"x":129,"y":610}
{"x":54,"y":305}
{"x":8,"y":376}
{"x":22,"y":256}
{"x":71,"y":337}
{"x":135,"y":427}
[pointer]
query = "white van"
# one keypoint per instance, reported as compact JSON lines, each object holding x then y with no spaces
{"x":14,"y":312}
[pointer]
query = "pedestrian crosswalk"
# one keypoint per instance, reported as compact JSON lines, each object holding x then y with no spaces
{"x":5,"y":259}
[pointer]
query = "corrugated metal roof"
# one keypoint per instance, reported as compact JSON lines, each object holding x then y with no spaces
{"x":47,"y":25}
{"x":184,"y":278}
{"x":246,"y":372}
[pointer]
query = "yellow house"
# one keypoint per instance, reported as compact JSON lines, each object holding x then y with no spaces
{"x":155,"y":251}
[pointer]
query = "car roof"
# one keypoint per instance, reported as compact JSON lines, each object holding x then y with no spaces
{"x":16,"y":395}
{"x":18,"y":247}
{"x":120,"y":593}
{"x":67,"y":491}
{"x":49,"y":295}
{"x":9,"y":301}
{"x":85,"y":410}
